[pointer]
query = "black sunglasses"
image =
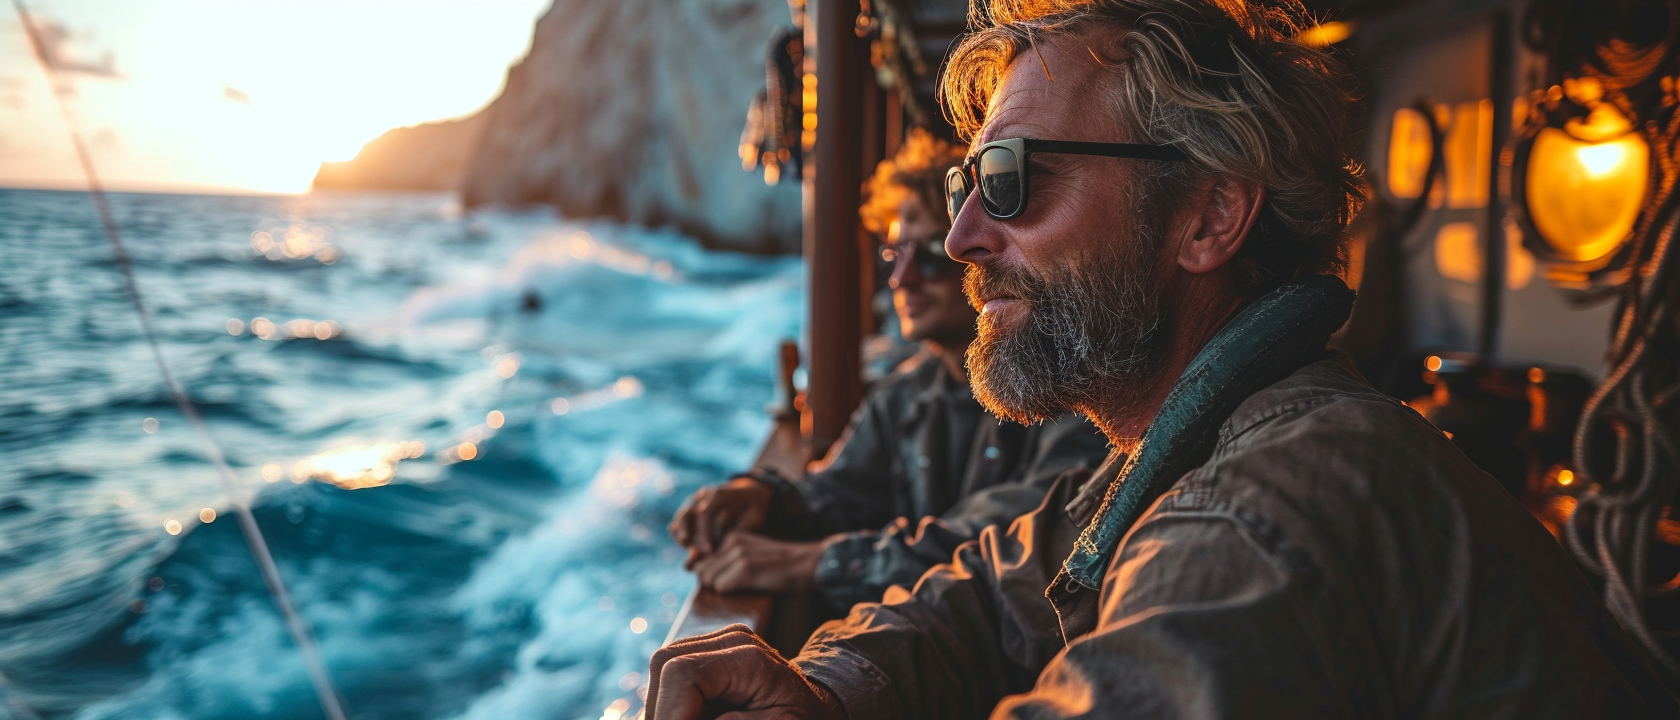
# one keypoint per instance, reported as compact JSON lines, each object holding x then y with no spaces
{"x":999,"y":170}
{"x":928,"y":254}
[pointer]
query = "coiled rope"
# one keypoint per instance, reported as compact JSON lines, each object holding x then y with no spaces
{"x":1611,"y":530}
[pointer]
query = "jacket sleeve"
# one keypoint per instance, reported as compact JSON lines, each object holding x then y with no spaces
{"x":971,"y":632}
{"x":1199,"y":620}
{"x":854,"y":487}
{"x":1177,"y":636}
{"x":860,"y":566}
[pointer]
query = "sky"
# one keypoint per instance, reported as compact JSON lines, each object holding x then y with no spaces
{"x":241,"y":95}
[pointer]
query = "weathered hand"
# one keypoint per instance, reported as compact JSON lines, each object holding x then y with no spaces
{"x":753,"y":562}
{"x":715,"y":510}
{"x":734,"y":669}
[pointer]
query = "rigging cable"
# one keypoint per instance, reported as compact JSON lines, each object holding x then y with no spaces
{"x":300,"y":631}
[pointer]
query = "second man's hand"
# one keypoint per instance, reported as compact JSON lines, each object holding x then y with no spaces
{"x":745,"y":561}
{"x":715,"y":511}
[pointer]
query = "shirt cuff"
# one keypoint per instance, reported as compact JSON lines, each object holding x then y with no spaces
{"x":861,"y":687}
{"x":843,"y":568}
{"x":789,"y":516}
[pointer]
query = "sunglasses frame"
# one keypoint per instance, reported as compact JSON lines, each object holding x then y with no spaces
{"x":1023,"y":148}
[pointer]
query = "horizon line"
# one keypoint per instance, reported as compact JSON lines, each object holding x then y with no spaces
{"x":144,"y":188}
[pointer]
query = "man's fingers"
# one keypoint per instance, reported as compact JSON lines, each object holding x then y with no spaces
{"x":727,"y":636}
{"x":682,"y":524}
{"x":751,"y":519}
{"x":679,"y":526}
{"x":745,"y":674}
{"x":730,"y":579}
{"x":714,"y":640}
{"x":704,"y":569}
{"x":740,"y":564}
{"x":683,"y":688}
{"x":731,"y":543}
{"x":702,"y":522}
{"x":732,"y":636}
{"x":723,"y":524}
{"x":709,"y":568}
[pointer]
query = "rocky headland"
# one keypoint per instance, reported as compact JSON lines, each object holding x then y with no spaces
{"x":630,"y":110}
{"x":427,"y":157}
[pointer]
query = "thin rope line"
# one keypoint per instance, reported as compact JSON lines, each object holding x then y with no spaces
{"x":295,"y":623}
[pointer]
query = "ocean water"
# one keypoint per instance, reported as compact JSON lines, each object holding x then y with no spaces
{"x":463,"y":436}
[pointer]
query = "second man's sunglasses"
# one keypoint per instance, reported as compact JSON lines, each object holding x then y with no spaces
{"x":927,"y":254}
{"x":999,"y":170}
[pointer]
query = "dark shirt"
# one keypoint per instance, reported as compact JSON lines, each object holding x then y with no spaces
{"x":1336,"y":557}
{"x":921,"y":469}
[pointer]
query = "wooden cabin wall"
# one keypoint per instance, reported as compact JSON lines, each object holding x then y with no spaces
{"x":1467,"y":288}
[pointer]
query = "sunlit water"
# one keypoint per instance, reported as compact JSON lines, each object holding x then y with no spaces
{"x":450,"y":567}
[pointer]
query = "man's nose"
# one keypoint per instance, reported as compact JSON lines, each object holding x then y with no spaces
{"x":974,"y":235}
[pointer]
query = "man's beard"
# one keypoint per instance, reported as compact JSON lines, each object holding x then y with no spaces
{"x":1089,"y":338}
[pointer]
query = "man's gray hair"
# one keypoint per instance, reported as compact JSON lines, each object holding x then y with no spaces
{"x":1227,"y":83}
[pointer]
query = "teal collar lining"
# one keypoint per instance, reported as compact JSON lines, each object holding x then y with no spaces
{"x":1266,"y":341}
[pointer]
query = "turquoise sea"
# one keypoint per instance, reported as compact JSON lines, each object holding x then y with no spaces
{"x":462,"y":433}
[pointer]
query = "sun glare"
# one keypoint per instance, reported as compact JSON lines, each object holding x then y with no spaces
{"x":249,"y":95}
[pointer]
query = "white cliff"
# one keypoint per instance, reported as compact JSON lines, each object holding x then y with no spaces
{"x":632,"y":109}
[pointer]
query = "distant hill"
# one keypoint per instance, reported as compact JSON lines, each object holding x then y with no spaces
{"x":632,"y":110}
{"x":427,"y":157}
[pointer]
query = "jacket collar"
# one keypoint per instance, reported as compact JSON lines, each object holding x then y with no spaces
{"x":1269,"y":339}
{"x":1329,"y":378}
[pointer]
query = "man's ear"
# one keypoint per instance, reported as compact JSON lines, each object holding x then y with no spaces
{"x":1218,"y":231}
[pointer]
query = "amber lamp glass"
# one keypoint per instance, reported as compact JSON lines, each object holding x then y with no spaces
{"x":1585,"y":185}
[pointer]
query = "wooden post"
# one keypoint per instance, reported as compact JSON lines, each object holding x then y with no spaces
{"x":835,"y":385}
{"x":872,"y":118}
{"x":894,"y":117}
{"x":1493,"y":234}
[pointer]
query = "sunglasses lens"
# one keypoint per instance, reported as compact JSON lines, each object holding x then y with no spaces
{"x":1000,"y":182}
{"x":956,"y":192}
{"x":928,"y":257}
{"x":936,"y":248}
{"x":932,"y":262}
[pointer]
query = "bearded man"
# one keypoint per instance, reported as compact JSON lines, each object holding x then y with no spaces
{"x":1156,"y":194}
{"x":922,"y":468}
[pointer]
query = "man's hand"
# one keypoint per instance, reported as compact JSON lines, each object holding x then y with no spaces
{"x":753,"y":562}
{"x":731,"y":669}
{"x":715,"y":510}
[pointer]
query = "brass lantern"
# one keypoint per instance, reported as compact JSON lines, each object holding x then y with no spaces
{"x":1580,"y":177}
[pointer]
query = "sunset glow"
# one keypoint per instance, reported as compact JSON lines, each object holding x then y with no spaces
{"x":242,"y":95}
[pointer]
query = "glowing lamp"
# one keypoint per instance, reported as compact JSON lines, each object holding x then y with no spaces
{"x":1584,"y":185}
